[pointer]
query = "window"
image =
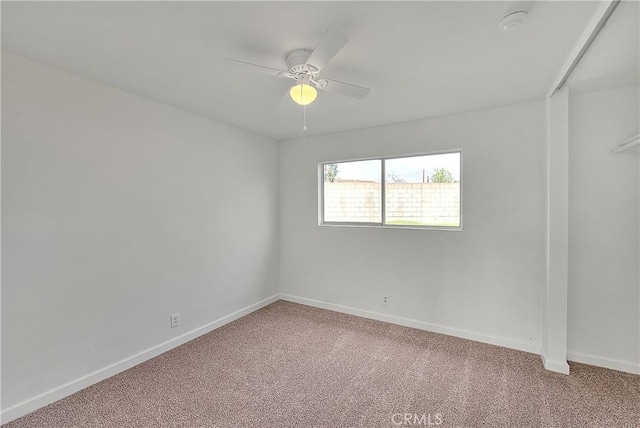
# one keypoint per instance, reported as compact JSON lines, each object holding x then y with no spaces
{"x":418,"y":191}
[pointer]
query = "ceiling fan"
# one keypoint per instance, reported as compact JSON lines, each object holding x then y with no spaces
{"x":304,"y":67}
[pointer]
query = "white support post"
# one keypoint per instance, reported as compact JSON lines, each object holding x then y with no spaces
{"x":554,"y":334}
{"x":554,"y":316}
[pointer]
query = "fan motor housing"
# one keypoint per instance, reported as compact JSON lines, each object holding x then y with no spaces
{"x":296,"y":62}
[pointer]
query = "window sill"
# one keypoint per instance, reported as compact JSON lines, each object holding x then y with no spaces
{"x":392,"y":226}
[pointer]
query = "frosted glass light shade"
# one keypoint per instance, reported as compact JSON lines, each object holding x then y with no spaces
{"x":303,"y":94}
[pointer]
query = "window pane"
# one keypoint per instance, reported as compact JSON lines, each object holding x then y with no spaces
{"x":352,"y":192}
{"x":423,"y":190}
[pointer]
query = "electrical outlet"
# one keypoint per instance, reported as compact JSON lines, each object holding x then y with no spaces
{"x":385,"y":300}
{"x":175,"y":320}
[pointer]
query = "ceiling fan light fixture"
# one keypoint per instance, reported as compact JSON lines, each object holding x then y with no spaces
{"x":303,"y":94}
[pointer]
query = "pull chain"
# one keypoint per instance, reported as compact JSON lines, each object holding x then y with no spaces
{"x":304,"y":118}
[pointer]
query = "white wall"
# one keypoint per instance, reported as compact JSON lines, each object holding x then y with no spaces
{"x":604,"y":231}
{"x":485,"y":282}
{"x":118,"y":211}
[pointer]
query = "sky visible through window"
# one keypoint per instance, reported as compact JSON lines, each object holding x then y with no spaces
{"x":409,"y":170}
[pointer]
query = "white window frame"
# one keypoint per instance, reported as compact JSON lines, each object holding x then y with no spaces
{"x":383,"y":202}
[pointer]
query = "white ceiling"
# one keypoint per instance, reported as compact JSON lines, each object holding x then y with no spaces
{"x":420,"y":59}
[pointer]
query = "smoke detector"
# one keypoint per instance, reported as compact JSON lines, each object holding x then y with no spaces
{"x":513,"y":20}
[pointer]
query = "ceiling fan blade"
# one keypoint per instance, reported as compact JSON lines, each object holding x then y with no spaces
{"x":269,"y":70}
{"x":328,"y":46}
{"x":347,"y":89}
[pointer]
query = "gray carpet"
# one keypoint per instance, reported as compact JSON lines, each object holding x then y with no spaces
{"x":290,"y":365}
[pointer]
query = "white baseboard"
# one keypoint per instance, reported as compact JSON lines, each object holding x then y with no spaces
{"x":519,"y":345}
{"x":555,"y":365}
{"x":609,"y":363}
{"x":62,"y":391}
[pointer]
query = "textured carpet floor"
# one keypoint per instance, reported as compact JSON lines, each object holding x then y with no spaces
{"x":290,"y":365}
